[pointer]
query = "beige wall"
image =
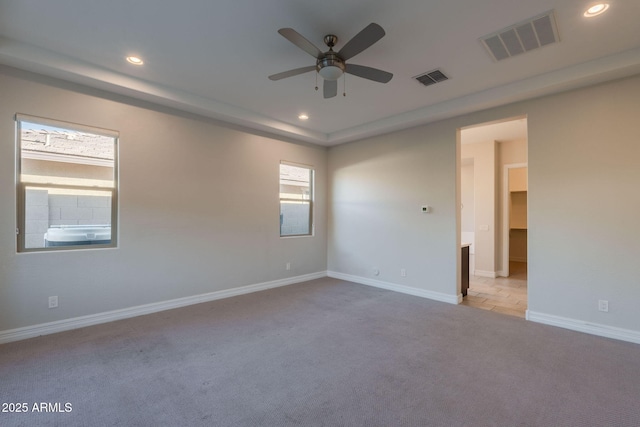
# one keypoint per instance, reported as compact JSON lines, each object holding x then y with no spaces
{"x":377,"y":188}
{"x":484,"y":155}
{"x":583,"y":202}
{"x":518,"y":179}
{"x":468,"y":221}
{"x":199,"y":209}
{"x":583,"y":161}
{"x":512,"y":152}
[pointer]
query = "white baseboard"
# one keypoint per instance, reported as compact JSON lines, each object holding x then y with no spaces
{"x":109,"y":316}
{"x":437,"y":296}
{"x":586,"y":327}
{"x":483,"y":273}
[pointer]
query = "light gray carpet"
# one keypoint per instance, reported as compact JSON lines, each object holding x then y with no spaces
{"x":323,"y":353}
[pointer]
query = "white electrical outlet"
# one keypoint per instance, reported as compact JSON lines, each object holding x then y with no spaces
{"x":53,"y":302}
{"x":603,"y":305}
{"x":403,"y":272}
{"x":288,"y":266}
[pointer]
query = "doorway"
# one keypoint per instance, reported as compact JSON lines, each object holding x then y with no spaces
{"x":493,"y":214}
{"x":514,"y":211}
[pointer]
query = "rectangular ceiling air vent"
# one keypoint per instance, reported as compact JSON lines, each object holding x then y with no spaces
{"x":531,"y":34}
{"x":431,"y":77}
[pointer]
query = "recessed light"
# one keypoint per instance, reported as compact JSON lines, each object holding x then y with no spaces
{"x":134,"y":60}
{"x":596,"y":10}
{"x":303,"y":117}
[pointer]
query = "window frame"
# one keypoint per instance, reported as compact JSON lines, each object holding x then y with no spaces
{"x":310,"y":201}
{"x":22,"y":186}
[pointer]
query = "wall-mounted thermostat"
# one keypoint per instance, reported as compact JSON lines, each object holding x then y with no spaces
{"x":426,"y":209}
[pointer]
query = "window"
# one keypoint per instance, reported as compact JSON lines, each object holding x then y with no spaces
{"x":67,"y":185}
{"x":296,"y":200}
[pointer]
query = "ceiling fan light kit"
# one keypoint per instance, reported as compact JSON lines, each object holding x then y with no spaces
{"x":329,"y":71}
{"x":331,"y":65}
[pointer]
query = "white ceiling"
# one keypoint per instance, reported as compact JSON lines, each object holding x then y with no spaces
{"x":213,"y":57}
{"x":514,"y":129}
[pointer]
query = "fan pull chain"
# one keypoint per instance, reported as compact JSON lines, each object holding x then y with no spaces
{"x":344,"y":84}
{"x":316,"y":80}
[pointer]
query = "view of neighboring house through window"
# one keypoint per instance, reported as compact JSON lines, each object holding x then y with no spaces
{"x":67,"y":186}
{"x":296,"y":200}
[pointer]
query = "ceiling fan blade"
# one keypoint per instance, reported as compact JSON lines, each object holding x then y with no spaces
{"x":365,"y":38}
{"x":330,"y":88}
{"x":294,"y":37}
{"x":292,"y":73}
{"x":369,"y":73}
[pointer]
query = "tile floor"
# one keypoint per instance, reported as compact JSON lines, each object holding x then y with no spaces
{"x":507,"y":295}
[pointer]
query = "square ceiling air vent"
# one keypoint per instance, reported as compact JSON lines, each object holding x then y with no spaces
{"x":531,"y":34}
{"x":431,"y":77}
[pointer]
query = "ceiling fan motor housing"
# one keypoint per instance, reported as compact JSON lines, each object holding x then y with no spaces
{"x":330,"y":66}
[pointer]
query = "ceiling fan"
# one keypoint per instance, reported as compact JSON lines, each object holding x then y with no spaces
{"x":332,"y":65}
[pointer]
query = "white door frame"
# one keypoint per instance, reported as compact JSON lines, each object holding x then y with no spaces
{"x":505,"y":215}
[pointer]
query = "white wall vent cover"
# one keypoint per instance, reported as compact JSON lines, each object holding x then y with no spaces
{"x":531,"y":34}
{"x":431,"y":77}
